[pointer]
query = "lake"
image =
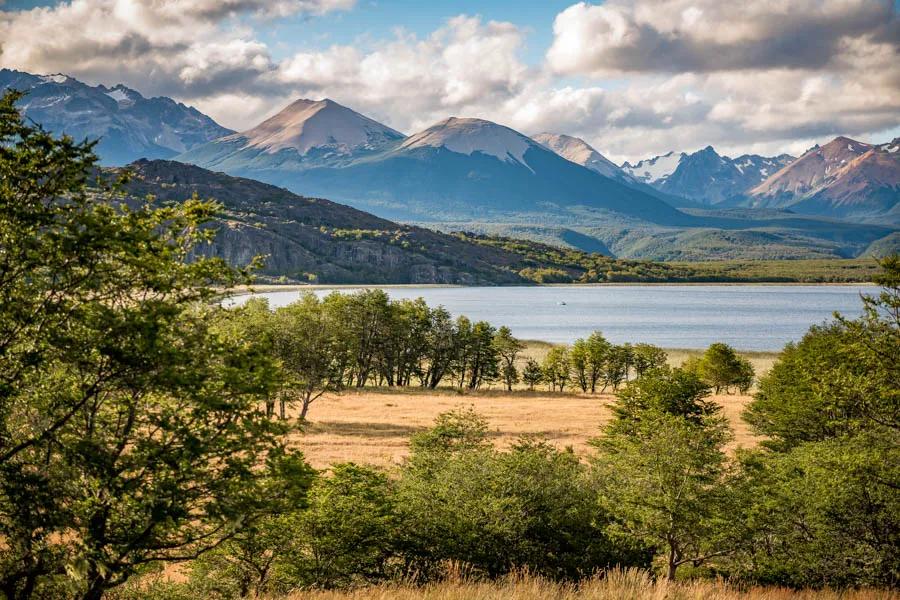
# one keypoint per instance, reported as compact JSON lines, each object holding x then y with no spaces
{"x":748,"y":317}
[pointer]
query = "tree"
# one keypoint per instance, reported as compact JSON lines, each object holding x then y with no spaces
{"x":598,"y":350}
{"x":527,"y":508}
{"x":556,"y":368}
{"x":671,"y":391}
{"x":303,"y":341}
{"x":722,"y":368}
{"x":347,"y":535}
{"x":821,"y":502}
{"x":508,"y":348}
{"x":532,"y":374}
{"x":615,"y":367}
{"x":661,"y":470}
{"x":579,"y":358}
{"x":647,"y":357}
{"x":483,"y":362}
{"x":131,"y":429}
{"x":440,"y":347}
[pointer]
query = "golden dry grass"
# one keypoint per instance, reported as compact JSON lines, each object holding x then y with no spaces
{"x":630,"y":584}
{"x":374,"y":426}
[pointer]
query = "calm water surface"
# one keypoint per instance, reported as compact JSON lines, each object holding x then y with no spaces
{"x":749,"y":317}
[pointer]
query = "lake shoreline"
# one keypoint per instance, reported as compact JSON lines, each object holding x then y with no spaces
{"x":297,"y":287}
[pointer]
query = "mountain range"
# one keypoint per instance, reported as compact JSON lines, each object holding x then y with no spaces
{"x":467,"y":173}
{"x":127,"y":125}
{"x":843,"y":178}
{"x":456,"y":169}
{"x":705,"y":176}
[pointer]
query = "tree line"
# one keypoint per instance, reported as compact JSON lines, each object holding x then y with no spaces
{"x":137,"y":430}
{"x":353,"y":340}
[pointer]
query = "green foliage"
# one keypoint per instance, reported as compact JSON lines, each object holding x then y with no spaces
{"x":532,"y":373}
{"x":823,"y":514}
{"x":821,"y":502}
{"x":722,"y":368}
{"x":647,"y":357}
{"x":674,"y":392}
{"x":530,"y":507}
{"x":508,"y":349}
{"x":556,"y":368}
{"x":661,"y":469}
{"x":130,"y":427}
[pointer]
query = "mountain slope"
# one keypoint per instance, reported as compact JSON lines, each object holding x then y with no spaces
{"x":844,"y":178}
{"x":581,"y":153}
{"x":128,"y":125}
{"x":305,"y":134}
{"x":706,"y":176}
{"x":457,"y":169}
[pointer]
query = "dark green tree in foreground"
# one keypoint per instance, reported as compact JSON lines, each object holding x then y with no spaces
{"x":821,"y":496}
{"x":661,"y":469}
{"x":130,"y":421}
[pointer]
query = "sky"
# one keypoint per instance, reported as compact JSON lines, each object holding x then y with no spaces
{"x":634,"y":78}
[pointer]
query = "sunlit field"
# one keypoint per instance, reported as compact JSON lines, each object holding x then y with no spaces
{"x":373,"y":426}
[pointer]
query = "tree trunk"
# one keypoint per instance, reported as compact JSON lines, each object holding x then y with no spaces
{"x":673,"y":562}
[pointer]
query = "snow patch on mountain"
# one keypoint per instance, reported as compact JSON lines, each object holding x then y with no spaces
{"x":580,"y":152}
{"x":467,"y":136}
{"x":654,"y":170}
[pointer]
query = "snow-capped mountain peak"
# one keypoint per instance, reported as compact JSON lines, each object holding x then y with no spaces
{"x":656,"y":169}
{"x":307,"y":124}
{"x":580,"y":152}
{"x":467,"y":136}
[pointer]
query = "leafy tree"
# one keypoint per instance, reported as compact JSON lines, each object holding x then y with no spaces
{"x":556,"y":367}
{"x":131,"y":429}
{"x":440,"y":347}
{"x":821,"y":496}
{"x":304,"y":345}
{"x":497,"y":511}
{"x":671,"y":391}
{"x":248,"y":563}
{"x":825,"y":513}
{"x":532,"y":374}
{"x":346,"y":536}
{"x":453,"y":431}
{"x":598,"y":350}
{"x":615,"y":367}
{"x":647,"y":357}
{"x":579,"y":359}
{"x":722,"y":368}
{"x":508,"y":348}
{"x":661,"y":469}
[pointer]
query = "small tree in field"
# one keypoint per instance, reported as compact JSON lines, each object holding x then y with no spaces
{"x":647,"y":357}
{"x":508,"y":348}
{"x":532,"y":374}
{"x":722,"y":368}
{"x":556,"y":368}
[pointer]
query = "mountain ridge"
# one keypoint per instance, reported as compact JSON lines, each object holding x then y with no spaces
{"x":128,"y":125}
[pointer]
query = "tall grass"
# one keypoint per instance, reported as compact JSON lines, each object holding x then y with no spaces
{"x":630,"y":584}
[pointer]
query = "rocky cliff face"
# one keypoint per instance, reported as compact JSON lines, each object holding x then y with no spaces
{"x":310,"y":239}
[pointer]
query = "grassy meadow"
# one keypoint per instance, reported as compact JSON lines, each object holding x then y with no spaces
{"x":373,"y":425}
